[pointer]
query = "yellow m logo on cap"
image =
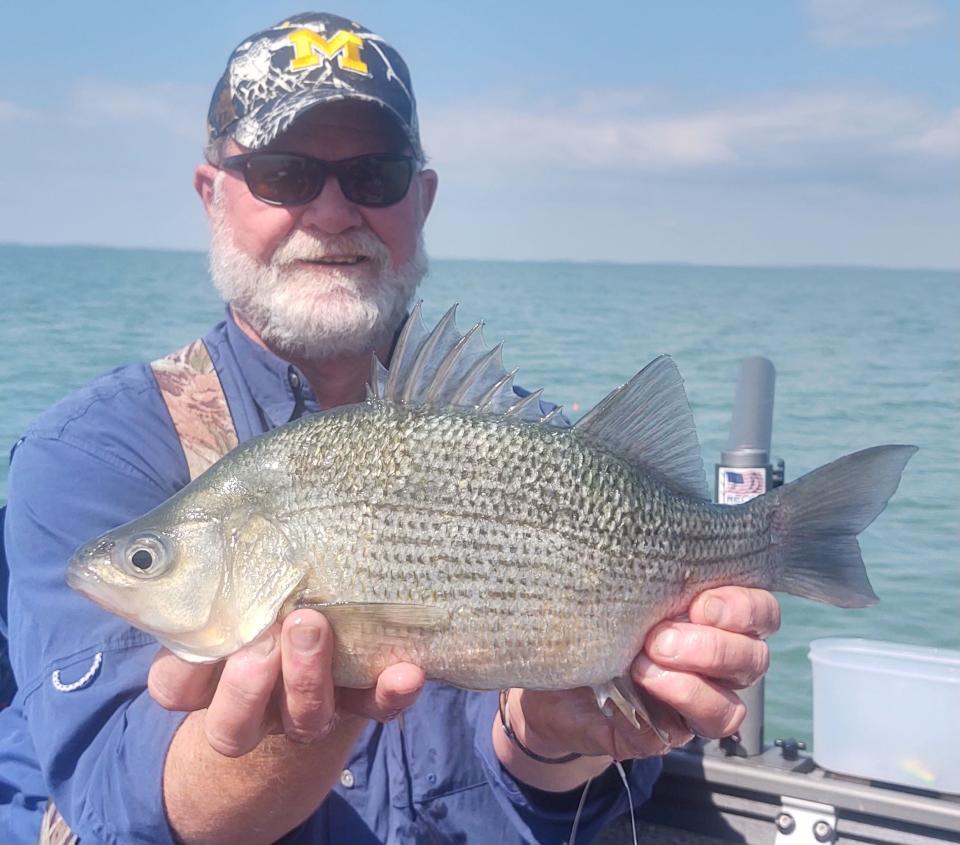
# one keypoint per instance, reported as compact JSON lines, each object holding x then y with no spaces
{"x":309,"y":46}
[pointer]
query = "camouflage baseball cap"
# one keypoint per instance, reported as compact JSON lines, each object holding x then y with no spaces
{"x":279,"y":73}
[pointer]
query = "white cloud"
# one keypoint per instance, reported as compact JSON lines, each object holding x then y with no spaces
{"x":940,"y":138}
{"x":11,"y":112}
{"x":787,"y":133}
{"x":162,"y":106}
{"x":869,"y":23}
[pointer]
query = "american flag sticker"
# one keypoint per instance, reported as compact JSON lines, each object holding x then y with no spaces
{"x":740,"y":484}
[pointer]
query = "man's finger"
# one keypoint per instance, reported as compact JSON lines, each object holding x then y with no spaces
{"x":556,"y":723}
{"x":735,"y":659}
{"x":178,"y":685}
{"x":738,"y":609}
{"x":628,"y":741}
{"x":307,"y":706}
{"x":397,"y":688}
{"x":234,"y":721}
{"x":708,"y":708}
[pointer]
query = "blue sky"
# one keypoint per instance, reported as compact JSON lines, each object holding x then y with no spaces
{"x":748,"y":132}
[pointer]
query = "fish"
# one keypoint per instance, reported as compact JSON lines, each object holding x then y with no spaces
{"x":449,"y":522}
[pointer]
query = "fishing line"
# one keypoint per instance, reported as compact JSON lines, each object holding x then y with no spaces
{"x":583,"y":801}
{"x":576,"y":818}
{"x":626,"y":785}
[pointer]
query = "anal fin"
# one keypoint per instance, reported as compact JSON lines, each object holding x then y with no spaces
{"x":624,"y":695}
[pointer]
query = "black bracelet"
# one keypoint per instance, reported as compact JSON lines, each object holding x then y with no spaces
{"x":505,"y":724}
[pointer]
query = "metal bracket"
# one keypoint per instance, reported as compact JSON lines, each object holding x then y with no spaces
{"x":802,"y":822}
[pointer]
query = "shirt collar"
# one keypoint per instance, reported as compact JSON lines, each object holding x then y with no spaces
{"x":277,"y":386}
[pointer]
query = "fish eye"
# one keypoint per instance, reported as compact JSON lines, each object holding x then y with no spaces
{"x":142,"y":559}
{"x":146,"y":556}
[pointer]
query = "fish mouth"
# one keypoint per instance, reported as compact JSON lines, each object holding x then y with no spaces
{"x":82,"y":577}
{"x":78,"y":577}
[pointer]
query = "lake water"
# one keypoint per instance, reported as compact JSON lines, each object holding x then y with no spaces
{"x":863,"y":357}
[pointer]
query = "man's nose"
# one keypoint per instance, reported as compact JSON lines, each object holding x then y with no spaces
{"x":330,"y":213}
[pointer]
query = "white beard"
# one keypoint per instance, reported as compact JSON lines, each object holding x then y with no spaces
{"x":316,"y":312}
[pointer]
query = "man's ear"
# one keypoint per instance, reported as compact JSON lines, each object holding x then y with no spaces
{"x":203,"y":178}
{"x":428,"y":191}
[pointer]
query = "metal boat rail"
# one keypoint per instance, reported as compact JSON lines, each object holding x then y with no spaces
{"x":708,"y":797}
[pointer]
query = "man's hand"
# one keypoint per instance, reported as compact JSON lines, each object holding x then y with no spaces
{"x":280,"y":684}
{"x":690,"y":668}
{"x":694,"y":666}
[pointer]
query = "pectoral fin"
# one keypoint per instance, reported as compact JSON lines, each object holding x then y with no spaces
{"x":622,"y":693}
{"x":387,"y":622}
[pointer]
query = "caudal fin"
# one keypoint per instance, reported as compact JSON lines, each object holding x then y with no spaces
{"x":818,"y":518}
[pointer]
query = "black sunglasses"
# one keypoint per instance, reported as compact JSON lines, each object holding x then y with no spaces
{"x":374,"y":181}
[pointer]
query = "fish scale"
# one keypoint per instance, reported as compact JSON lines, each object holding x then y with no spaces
{"x":575,"y":553}
{"x":484,"y":540}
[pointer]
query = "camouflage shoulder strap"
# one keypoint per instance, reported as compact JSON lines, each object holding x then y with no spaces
{"x":198,"y":407}
{"x":194,"y":397}
{"x":54,"y":830}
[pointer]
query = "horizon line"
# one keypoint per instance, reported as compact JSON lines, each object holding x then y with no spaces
{"x":814,"y":265}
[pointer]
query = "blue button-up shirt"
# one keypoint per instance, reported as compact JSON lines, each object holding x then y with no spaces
{"x":107,"y":454}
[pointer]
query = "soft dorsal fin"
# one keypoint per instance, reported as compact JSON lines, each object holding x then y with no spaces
{"x":648,"y":422}
{"x":443,"y":368}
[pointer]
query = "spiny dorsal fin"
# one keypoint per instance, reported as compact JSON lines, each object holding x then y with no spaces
{"x":484,"y":370}
{"x":550,"y":416}
{"x":377,"y":383}
{"x":648,"y":422}
{"x":404,"y":355}
{"x":518,"y":408}
{"x":446,"y":369}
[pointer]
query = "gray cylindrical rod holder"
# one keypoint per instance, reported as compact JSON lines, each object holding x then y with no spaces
{"x":749,"y":447}
{"x":751,"y":731}
{"x":749,"y":443}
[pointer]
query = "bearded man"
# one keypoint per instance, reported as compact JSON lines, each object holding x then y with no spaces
{"x":317,"y":192}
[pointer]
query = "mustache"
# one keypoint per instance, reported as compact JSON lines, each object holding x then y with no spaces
{"x":303,"y":246}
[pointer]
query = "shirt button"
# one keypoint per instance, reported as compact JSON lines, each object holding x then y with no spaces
{"x":346,"y":779}
{"x":294,"y":379}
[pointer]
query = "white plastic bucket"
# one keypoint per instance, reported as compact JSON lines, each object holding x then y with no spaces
{"x":887,"y":712}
